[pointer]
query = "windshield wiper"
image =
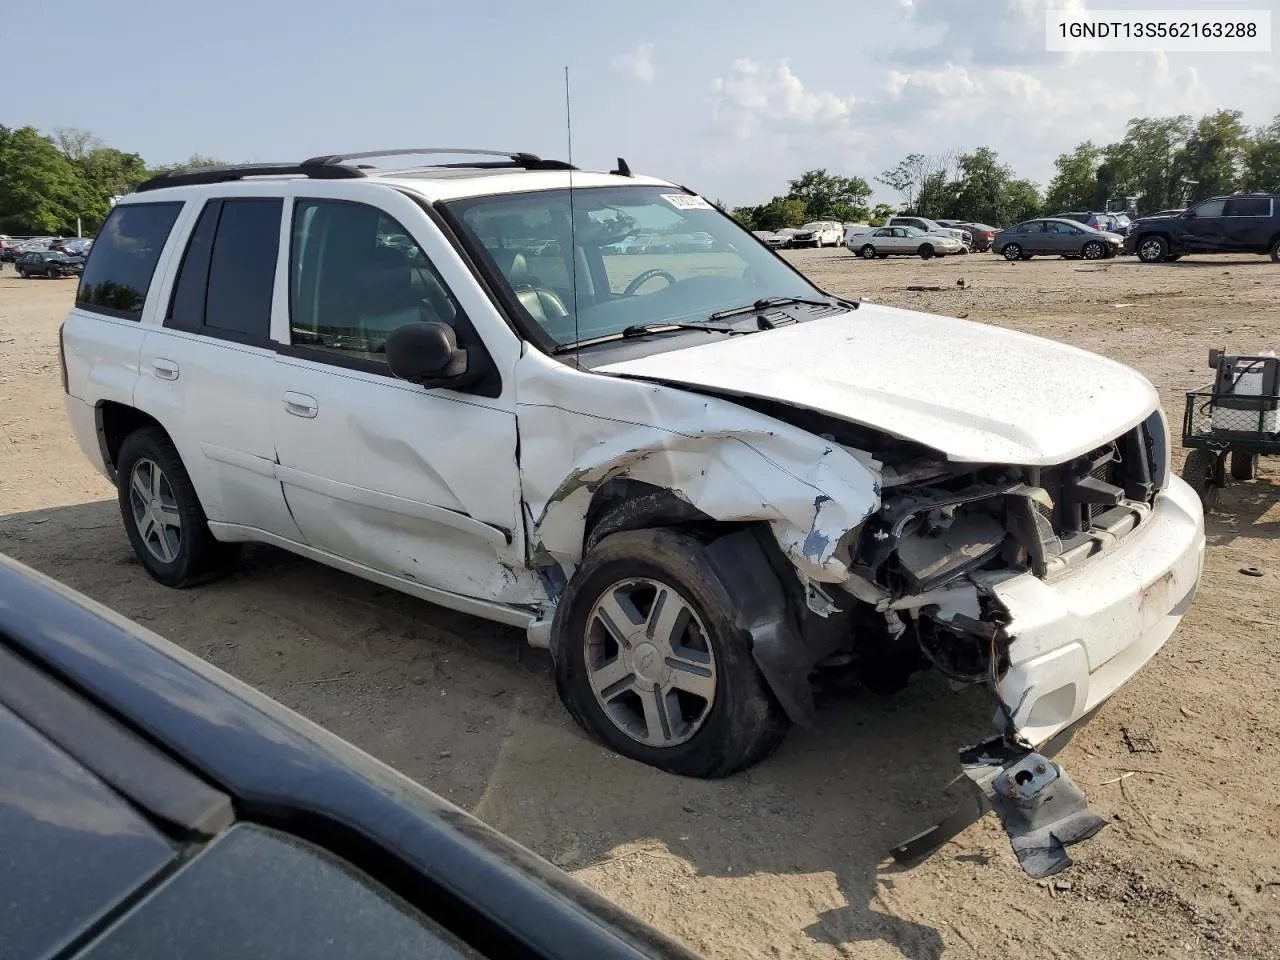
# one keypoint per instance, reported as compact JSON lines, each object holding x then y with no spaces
{"x":764,"y":303}
{"x":662,"y":326}
{"x":644,"y":330}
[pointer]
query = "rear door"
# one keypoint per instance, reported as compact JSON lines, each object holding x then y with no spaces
{"x":1203,"y":227}
{"x":207,"y":371}
{"x":1248,"y":224}
{"x":420,"y":484}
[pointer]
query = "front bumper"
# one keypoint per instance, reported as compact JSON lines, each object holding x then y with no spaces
{"x":1078,"y":638}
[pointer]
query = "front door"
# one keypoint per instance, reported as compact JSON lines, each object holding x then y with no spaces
{"x":1204,"y":227}
{"x":417,"y":483}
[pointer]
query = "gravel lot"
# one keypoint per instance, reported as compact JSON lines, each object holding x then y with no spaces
{"x":787,"y":860}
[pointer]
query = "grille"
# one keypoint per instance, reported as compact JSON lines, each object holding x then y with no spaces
{"x":1055,"y":479}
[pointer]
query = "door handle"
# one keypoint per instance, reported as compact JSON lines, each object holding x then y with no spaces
{"x":165,"y":369}
{"x":300,"y":405}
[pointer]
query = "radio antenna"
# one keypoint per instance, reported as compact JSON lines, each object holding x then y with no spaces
{"x":573,"y":220}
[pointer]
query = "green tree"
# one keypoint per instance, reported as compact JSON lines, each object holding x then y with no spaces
{"x":829,"y":196}
{"x":41,"y":191}
{"x":781,"y":212}
{"x":1145,"y":164}
{"x":194,"y":162}
{"x":987,"y":191}
{"x":1213,"y":154}
{"x":1075,"y":185}
{"x":880,"y":213}
{"x":1261,"y":162}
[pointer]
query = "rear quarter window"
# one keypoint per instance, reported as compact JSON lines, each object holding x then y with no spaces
{"x":123,"y":260}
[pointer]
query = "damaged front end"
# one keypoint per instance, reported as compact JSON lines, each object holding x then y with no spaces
{"x":936,"y":554}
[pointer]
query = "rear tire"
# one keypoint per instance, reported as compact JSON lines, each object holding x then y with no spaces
{"x":620,"y":576}
{"x":1011,"y":252}
{"x":1200,"y":471}
{"x":162,"y":513}
{"x":1244,"y":466}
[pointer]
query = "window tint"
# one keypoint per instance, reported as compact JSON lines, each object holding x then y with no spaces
{"x":119,"y":270}
{"x":242,"y":268}
{"x":355,"y":276}
{"x":1033,"y":226}
{"x":1249,"y":207}
{"x":1064,"y":228}
{"x":1210,"y":208}
{"x":186,"y":308}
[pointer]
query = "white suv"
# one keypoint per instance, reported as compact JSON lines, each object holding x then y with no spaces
{"x":692,"y":474}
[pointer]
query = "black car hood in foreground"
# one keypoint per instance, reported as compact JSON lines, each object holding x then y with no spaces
{"x":284,"y":775}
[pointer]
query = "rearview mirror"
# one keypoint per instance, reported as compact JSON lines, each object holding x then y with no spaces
{"x":426,"y":353}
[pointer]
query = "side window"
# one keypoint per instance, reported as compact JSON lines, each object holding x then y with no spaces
{"x":123,"y":259}
{"x":186,"y":306}
{"x":242,"y":269}
{"x":355,"y":275}
{"x":1249,"y":207}
{"x":1210,"y":208}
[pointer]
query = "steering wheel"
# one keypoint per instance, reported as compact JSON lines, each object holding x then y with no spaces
{"x":644,"y":278}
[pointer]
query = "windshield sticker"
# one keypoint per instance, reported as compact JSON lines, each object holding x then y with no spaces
{"x":686,"y":201}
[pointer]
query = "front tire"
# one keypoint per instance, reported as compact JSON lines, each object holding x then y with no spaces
{"x":1153,"y":249}
{"x":926,"y":251}
{"x":648,"y":660}
{"x":1011,"y":252}
{"x":1093,"y":250}
{"x":162,"y":513}
{"x":868,"y":252}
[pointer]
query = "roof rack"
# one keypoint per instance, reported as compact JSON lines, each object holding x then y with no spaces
{"x":527,"y":161}
{"x":239,"y":171}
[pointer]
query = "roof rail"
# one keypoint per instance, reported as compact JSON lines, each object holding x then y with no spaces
{"x":527,"y":161}
{"x":308,"y":168}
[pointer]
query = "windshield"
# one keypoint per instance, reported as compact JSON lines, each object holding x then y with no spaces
{"x":645,"y":255}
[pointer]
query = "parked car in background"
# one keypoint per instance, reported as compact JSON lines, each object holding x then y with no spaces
{"x":925,"y":225}
{"x":980,"y":234}
{"x":852,"y":231}
{"x":1171,"y":212}
{"x":8,"y":250}
{"x":1099,"y":221}
{"x":1241,"y":223}
{"x":153,"y":806}
{"x":906,"y":242}
{"x":782,"y":239}
{"x":46,"y":263}
{"x":819,"y":233}
{"x":762,"y":235}
{"x":1056,"y":237}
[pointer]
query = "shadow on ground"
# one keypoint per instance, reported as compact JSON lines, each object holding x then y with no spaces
{"x":1240,"y":510}
{"x":464,"y":706}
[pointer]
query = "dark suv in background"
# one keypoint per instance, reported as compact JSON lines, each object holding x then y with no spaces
{"x":1241,"y":223}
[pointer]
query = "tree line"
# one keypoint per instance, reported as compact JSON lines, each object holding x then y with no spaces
{"x":47,"y":182}
{"x":1163,"y":161}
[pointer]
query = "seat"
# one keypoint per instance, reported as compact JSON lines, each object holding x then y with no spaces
{"x":543,"y":305}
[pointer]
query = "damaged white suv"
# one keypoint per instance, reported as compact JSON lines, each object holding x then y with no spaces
{"x":692,"y":474}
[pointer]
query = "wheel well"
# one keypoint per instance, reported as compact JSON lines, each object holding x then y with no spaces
{"x":115,"y":422}
{"x":624,"y":504}
{"x":1275,"y":238}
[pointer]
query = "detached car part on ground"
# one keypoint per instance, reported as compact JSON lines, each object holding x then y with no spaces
{"x":697,"y":484}
{"x":152,"y":806}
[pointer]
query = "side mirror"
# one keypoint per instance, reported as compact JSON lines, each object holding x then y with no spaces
{"x":426,"y":353}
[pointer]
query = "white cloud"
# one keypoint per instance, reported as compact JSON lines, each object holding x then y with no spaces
{"x":751,"y":98}
{"x":637,"y":63}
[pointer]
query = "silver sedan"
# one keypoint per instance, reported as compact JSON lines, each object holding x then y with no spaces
{"x":902,"y":242}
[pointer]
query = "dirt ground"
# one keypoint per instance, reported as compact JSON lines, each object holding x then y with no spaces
{"x":788,"y":859}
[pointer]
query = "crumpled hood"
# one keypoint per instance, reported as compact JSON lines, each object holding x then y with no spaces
{"x":976,"y":392}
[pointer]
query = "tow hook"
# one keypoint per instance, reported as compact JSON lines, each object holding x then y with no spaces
{"x":1040,"y":806}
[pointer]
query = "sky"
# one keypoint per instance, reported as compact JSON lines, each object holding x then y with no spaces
{"x":731,"y":98}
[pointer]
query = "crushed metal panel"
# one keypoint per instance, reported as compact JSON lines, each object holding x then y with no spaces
{"x":1041,"y":808}
{"x":579,"y":430}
